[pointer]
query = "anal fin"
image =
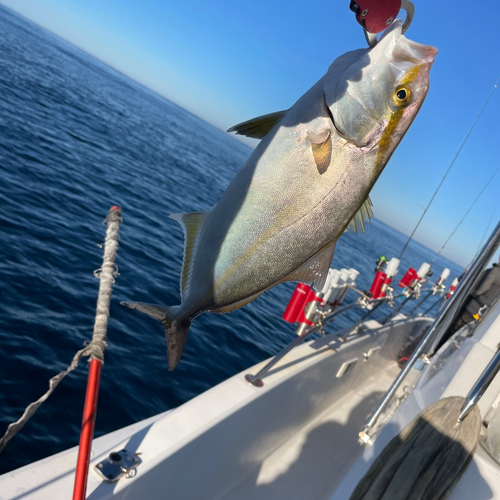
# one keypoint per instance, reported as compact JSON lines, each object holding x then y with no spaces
{"x":192,"y":224}
{"x":315,"y":270}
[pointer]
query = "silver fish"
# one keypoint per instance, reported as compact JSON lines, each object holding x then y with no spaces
{"x":303,"y":185}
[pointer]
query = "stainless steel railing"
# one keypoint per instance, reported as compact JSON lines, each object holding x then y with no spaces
{"x":482,"y":383}
{"x":441,"y":323}
{"x":256,"y":379}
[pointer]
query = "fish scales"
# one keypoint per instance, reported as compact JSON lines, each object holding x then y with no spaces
{"x":286,"y":197}
{"x":299,"y":190}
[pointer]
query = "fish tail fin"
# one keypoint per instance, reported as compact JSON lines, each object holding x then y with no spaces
{"x":176,"y":333}
{"x":176,"y":329}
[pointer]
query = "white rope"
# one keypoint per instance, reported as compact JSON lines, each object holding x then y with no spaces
{"x":106,"y":274}
{"x":30,"y":410}
{"x":95,"y":348}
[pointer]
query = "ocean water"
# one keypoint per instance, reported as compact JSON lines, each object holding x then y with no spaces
{"x":77,"y":137}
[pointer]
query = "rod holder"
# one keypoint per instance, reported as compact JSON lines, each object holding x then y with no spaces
{"x":256,"y":379}
{"x":396,"y":310}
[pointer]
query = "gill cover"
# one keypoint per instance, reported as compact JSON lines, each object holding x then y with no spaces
{"x":360,"y":85}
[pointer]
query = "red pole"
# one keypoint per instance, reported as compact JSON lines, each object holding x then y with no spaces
{"x":89,"y":413}
{"x":95,"y":350}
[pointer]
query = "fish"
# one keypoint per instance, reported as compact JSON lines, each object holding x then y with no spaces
{"x":306,"y":182}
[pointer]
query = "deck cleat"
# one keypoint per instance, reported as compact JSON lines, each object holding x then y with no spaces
{"x":118,"y":464}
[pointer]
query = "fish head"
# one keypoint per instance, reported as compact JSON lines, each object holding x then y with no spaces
{"x":374,"y":94}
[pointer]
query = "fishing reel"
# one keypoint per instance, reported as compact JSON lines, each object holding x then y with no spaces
{"x":413,"y":281}
{"x":364,"y":302}
{"x":452,"y":288}
{"x":382,"y":280}
{"x":439,"y":285}
{"x":389,"y":296}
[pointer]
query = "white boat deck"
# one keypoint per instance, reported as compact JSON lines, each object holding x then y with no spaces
{"x":313,"y":462}
{"x":293,"y":438}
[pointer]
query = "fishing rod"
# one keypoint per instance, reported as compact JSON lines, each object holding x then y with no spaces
{"x":465,"y":215}
{"x":451,"y":165}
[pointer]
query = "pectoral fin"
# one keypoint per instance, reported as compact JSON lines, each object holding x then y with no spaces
{"x":258,"y":128}
{"x":358,"y":221}
{"x":191,"y":224}
{"x":319,"y":138}
{"x":315,"y":270}
{"x":321,"y":145}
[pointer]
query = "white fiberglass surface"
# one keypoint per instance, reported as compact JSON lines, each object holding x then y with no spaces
{"x":312,"y":463}
{"x":452,"y":372}
{"x":237,"y":440}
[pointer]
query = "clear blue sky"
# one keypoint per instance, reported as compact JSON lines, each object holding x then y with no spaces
{"x":229,"y":61}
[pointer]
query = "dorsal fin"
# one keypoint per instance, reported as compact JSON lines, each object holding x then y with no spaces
{"x":191,"y":224}
{"x":358,"y":221}
{"x":315,"y":270}
{"x":258,"y":128}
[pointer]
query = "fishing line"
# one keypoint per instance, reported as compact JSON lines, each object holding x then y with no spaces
{"x":484,"y":234}
{"x":451,"y":165}
{"x":482,"y":239}
{"x":465,"y":215}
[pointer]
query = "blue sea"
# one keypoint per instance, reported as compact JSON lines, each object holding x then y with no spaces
{"x":77,"y":137}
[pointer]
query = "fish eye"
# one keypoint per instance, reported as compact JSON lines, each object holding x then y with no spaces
{"x":402,"y":96}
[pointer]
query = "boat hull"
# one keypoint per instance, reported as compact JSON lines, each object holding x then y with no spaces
{"x":226,"y":443}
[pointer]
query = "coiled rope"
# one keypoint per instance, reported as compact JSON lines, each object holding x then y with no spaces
{"x":427,"y":458}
